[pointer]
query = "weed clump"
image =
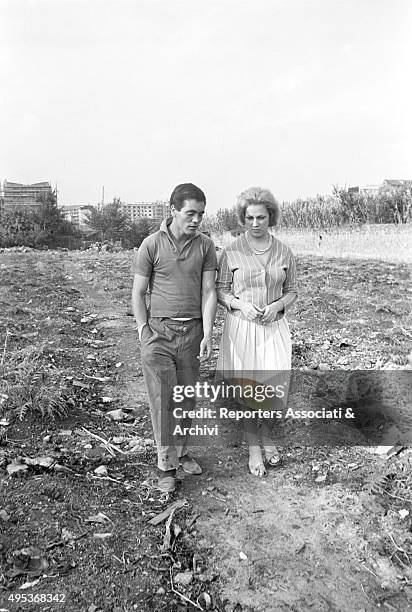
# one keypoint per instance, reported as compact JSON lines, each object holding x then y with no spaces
{"x":29,"y":384}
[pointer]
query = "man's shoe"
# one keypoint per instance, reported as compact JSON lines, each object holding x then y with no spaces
{"x":190,"y":466}
{"x":167,"y":481}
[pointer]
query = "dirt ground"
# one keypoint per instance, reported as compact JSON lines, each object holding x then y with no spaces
{"x":328,"y":530}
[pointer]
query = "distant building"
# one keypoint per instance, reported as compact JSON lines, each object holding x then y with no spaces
{"x":147,"y":210}
{"x":392,"y":186}
{"x":17,"y":195}
{"x":76,"y":213}
{"x":388,"y":186}
{"x":370,"y":189}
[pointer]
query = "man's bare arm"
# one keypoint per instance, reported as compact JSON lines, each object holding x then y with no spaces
{"x":140,"y":284}
{"x":209,"y":305}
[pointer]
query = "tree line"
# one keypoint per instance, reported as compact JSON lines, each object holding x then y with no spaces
{"x":45,"y":224}
{"x":324,"y":212}
{"x":34,"y":227}
{"x":111,"y":224}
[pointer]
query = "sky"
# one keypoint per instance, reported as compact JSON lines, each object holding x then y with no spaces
{"x":141,"y":95}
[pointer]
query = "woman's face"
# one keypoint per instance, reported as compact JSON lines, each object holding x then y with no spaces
{"x":257,"y":220}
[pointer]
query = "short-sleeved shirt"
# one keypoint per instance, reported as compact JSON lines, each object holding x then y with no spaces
{"x":175,"y":283}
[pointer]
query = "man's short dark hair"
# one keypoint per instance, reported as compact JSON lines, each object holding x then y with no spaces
{"x":186,"y":191}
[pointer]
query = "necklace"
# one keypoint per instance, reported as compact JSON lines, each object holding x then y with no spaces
{"x":260,"y":251}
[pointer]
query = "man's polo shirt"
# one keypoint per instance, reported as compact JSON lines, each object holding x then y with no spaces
{"x":175,"y":276}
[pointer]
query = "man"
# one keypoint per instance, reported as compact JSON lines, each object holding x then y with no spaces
{"x":178,"y":264}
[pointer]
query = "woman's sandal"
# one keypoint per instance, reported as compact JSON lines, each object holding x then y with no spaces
{"x":258,"y":469}
{"x":256,"y":465}
{"x":272,"y":457}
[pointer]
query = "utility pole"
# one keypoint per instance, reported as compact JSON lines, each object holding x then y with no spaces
{"x":103,"y":196}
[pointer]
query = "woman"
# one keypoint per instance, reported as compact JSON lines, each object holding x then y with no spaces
{"x":257,"y":284}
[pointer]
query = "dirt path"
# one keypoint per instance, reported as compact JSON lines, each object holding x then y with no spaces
{"x":293,"y":541}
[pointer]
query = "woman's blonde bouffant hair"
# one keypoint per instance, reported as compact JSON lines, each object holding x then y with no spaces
{"x":257,"y":195}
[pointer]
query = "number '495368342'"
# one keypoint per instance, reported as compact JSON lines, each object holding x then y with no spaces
{"x":37,"y":597}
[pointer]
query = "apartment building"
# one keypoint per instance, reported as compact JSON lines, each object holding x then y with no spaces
{"x":392,"y":186}
{"x":141,"y":210}
{"x":76,"y":213}
{"x":19,"y":195}
{"x":370,"y":190}
{"x":388,"y":186}
{"x":148,"y":210}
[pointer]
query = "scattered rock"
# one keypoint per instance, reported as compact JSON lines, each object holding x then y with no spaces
{"x":30,"y":584}
{"x":134,"y":442}
{"x":45,"y":462}
{"x":205,"y":601}
{"x":101,"y":471}
{"x":16,"y":468}
{"x":67,"y":536}
{"x":183,"y":578}
{"x":4,"y":516}
{"x":116,"y":415}
{"x":30,"y":561}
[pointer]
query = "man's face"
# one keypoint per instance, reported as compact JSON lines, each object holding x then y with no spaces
{"x":189,"y":217}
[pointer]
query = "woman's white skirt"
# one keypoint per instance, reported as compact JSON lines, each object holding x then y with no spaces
{"x":250,"y":347}
{"x":254,"y":357}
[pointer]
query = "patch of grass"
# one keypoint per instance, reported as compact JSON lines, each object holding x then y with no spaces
{"x":381,"y":242}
